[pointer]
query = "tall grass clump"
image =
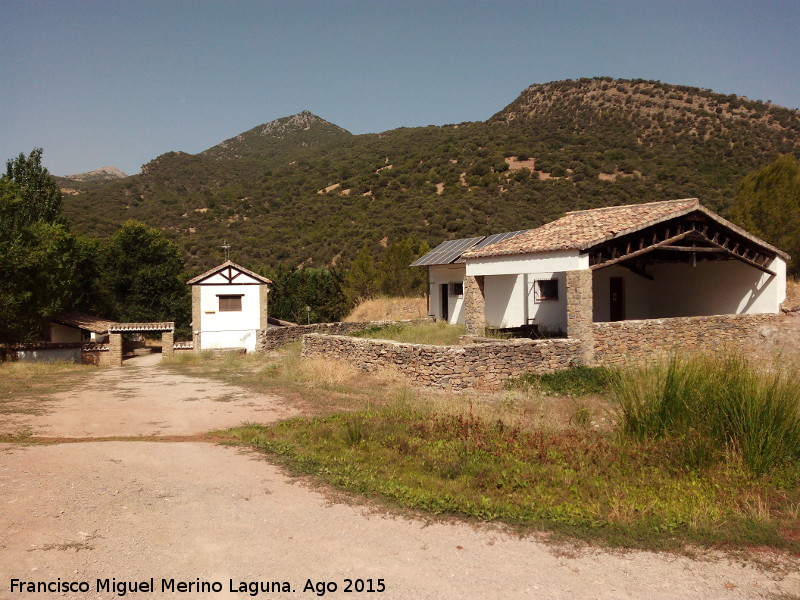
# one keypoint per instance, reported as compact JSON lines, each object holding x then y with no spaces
{"x":714,"y":408}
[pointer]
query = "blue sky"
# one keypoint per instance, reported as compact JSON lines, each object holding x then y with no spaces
{"x":118,"y":83}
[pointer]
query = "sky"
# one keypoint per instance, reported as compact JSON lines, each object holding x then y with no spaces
{"x":118,"y":83}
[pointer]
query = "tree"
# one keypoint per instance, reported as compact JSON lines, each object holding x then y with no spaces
{"x":140,"y":277}
{"x":41,"y":261}
{"x":39,"y":198}
{"x":361,"y":281}
{"x":319,"y":289}
{"x":767,"y":203}
{"x":41,"y":266}
{"x":397,"y":278}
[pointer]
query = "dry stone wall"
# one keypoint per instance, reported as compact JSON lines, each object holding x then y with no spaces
{"x":485,"y":365}
{"x":274,"y":337}
{"x":626,"y":341}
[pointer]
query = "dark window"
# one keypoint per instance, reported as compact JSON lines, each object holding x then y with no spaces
{"x":457,"y":289}
{"x":545,"y":290}
{"x":230,"y":303}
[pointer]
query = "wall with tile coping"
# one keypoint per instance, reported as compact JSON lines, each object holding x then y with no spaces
{"x":482,"y":365}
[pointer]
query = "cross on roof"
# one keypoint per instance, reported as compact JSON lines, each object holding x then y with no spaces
{"x":227,"y":247}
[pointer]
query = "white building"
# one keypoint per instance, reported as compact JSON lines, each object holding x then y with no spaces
{"x":645,"y":261}
{"x":229,"y":305}
{"x":446,"y":272}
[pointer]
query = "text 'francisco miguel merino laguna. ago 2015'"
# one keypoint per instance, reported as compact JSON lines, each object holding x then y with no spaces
{"x":251,"y":588}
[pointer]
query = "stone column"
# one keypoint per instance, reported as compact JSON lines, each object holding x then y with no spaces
{"x":196,"y":317}
{"x":167,"y":343}
{"x":579,"y":312}
{"x":115,"y":349}
{"x":263,"y":300}
{"x":474,"y":306}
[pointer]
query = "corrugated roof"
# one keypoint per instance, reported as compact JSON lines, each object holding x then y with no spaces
{"x":451,"y":251}
{"x":225,"y":265}
{"x":81,"y":320}
{"x":580,"y":230}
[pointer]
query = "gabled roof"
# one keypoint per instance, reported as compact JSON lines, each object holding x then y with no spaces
{"x":222,"y":267}
{"x":580,"y":230}
{"x":450,"y":252}
{"x":81,"y":320}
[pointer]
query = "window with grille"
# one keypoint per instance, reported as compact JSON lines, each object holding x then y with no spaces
{"x":545,"y":290}
{"x":230,"y":302}
{"x":456,"y":289}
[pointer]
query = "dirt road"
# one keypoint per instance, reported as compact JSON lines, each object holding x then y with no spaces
{"x":203,"y":514}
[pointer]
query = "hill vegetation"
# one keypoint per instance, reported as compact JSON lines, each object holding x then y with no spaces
{"x":302,"y":191}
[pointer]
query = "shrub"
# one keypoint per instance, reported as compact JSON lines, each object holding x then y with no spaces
{"x":714,"y":407}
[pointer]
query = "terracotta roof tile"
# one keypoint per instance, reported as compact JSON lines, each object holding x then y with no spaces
{"x":582,"y":229}
{"x":81,"y":320}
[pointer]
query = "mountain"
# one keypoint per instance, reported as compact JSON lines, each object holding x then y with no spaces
{"x":301,"y":190}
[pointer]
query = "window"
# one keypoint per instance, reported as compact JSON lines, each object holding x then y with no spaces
{"x":545,"y":290}
{"x":230,"y":302}
{"x":457,"y":289}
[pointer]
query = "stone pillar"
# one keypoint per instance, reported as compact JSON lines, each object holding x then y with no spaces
{"x":115,"y":349}
{"x":263,"y":302}
{"x":474,"y":306}
{"x":579,"y":312}
{"x":196,"y":317}
{"x":167,"y":343}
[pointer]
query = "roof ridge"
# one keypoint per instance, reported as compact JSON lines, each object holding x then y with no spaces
{"x":608,"y":208}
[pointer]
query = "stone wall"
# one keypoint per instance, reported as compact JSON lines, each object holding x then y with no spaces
{"x":474,"y":306}
{"x":485,"y":365}
{"x":625,"y":341}
{"x":274,"y":337}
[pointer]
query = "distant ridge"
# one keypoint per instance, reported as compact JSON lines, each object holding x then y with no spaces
{"x":98,"y":175}
{"x":301,"y":190}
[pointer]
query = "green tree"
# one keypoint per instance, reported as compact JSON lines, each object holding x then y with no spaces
{"x":141,"y":277}
{"x":319,"y":289}
{"x":42,"y":278}
{"x":767,"y":203}
{"x":361,"y":281}
{"x":397,"y":278}
{"x":39,"y":198}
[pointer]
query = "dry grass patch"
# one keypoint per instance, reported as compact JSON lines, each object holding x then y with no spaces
{"x":793,"y":292}
{"x":25,"y":386}
{"x":389,"y":309}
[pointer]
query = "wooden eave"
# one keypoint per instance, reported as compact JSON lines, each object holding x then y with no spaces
{"x":226,"y":269}
{"x":696,"y":235}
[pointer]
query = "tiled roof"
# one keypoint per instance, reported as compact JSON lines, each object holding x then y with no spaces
{"x":227,"y":263}
{"x":583,"y":229}
{"x":121,"y":327}
{"x":83,"y":321}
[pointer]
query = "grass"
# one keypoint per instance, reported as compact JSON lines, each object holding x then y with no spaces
{"x":714,"y":409}
{"x":439,"y":333}
{"x":389,"y":309}
{"x":24,"y":386}
{"x":575,"y":381}
{"x":519,"y":456}
{"x":574,"y":481}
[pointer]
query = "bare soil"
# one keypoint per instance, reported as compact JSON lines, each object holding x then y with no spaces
{"x":184,"y":509}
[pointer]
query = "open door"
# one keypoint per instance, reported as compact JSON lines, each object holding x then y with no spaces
{"x":445,"y":313}
{"x":617,"y":303}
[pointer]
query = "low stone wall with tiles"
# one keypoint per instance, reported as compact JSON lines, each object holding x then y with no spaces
{"x":625,"y":341}
{"x":485,"y":365}
{"x":274,"y":337}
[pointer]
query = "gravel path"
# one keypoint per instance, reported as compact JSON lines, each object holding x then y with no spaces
{"x":195,"y":511}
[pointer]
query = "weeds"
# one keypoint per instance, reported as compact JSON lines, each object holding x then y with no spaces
{"x":575,"y":381}
{"x":439,"y":333}
{"x":714,"y":408}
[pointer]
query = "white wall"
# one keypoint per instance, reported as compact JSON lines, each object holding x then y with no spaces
{"x":229,"y":329}
{"x":440,"y":274}
{"x":511,"y":301}
{"x":543,"y":262}
{"x":680,"y":290}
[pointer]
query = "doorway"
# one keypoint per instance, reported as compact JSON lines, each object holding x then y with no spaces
{"x":445,"y":312}
{"x":617,"y":300}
